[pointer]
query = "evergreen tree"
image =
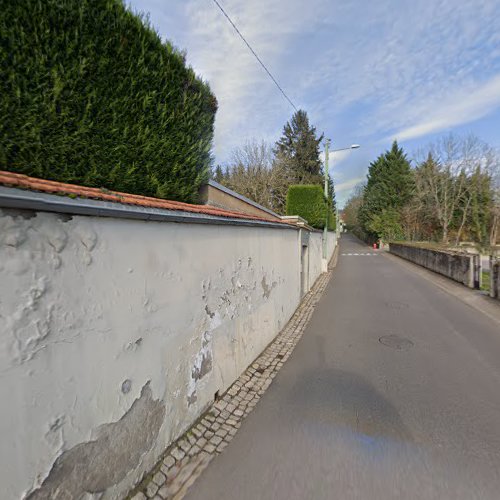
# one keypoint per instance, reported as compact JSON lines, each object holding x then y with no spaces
{"x":331,"y":194}
{"x":390,"y":186}
{"x":92,"y":95}
{"x":218,"y":174}
{"x":481,"y":206}
{"x":299,"y":149}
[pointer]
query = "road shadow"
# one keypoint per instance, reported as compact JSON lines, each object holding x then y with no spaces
{"x":342,"y":399}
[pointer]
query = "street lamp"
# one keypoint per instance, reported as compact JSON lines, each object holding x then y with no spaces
{"x":325,"y":232}
{"x":352,"y":146}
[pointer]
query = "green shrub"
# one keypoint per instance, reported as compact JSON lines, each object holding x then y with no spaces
{"x":332,"y":220}
{"x":91,"y":95}
{"x":308,"y":201}
{"x":386,"y":225}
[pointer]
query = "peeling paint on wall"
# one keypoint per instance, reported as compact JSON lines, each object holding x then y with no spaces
{"x":94,"y":466}
{"x":88,"y":316}
{"x":229,"y":293}
{"x":267,"y":289}
{"x":25,"y":243}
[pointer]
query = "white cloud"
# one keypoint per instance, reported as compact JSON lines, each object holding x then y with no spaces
{"x":348,"y":185}
{"x":340,"y":156}
{"x":397,"y":62}
{"x":464,"y":107}
{"x":335,"y":157}
{"x":392,"y":65}
{"x":249,"y":103}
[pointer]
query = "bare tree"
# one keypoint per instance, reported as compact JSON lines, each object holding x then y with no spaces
{"x":444,"y":179}
{"x":494,"y":234}
{"x":255,"y":172}
{"x":352,"y":206}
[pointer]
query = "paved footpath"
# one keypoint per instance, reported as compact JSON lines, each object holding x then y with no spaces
{"x":393,"y":392}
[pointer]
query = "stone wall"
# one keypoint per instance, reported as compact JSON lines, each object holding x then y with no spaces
{"x":117,"y":334}
{"x":495,"y":277}
{"x":457,"y":266}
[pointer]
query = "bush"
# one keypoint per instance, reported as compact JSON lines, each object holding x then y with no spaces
{"x":91,"y":95}
{"x":386,"y":225}
{"x":308,"y":201}
{"x":332,"y":220}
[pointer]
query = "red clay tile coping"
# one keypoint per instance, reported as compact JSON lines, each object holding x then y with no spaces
{"x":12,"y":179}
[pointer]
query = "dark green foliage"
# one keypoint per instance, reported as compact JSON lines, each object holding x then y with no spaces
{"x":308,"y":201}
{"x":386,"y":225}
{"x":331,"y":193}
{"x":218,"y":174}
{"x":389,"y":187}
{"x":332,"y":220}
{"x":298,"y":148}
{"x":451,"y":196}
{"x":481,"y":206}
{"x":91,"y":95}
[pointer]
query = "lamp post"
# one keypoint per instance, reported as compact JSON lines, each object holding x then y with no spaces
{"x":325,"y":231}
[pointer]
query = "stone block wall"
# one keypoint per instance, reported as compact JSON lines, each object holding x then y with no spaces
{"x":457,"y":266}
{"x":495,"y":277}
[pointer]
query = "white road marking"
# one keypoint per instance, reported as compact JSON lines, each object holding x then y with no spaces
{"x":360,"y":254}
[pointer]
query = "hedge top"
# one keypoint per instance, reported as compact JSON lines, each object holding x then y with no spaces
{"x":308,"y":201}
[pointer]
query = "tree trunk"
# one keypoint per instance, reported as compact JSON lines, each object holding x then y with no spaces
{"x":445,"y":234}
{"x":464,"y":218}
{"x":494,"y":230}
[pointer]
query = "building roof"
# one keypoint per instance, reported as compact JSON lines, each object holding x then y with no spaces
{"x":239,"y":196}
{"x":11,"y":179}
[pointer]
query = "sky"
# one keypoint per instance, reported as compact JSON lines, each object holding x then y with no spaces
{"x":366,"y":72}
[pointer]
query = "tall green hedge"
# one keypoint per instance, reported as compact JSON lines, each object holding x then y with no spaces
{"x":332,"y":220}
{"x":90,"y":94}
{"x":308,"y":201}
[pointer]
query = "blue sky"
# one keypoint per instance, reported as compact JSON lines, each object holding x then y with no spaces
{"x":365,"y":71}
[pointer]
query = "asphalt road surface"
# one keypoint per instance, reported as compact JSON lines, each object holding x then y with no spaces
{"x":392,"y":393}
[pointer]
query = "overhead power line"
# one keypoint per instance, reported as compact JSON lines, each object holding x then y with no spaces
{"x":255,"y":54}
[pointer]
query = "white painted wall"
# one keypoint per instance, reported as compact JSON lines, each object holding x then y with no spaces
{"x":331,"y":243}
{"x":315,"y":256}
{"x":92,"y":309}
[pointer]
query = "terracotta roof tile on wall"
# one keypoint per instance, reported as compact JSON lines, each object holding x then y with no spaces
{"x":12,"y":179}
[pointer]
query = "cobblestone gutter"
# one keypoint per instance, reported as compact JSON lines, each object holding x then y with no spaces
{"x":186,"y":458}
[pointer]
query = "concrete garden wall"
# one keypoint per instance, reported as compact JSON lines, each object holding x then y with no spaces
{"x":117,"y":333}
{"x":316,"y":254}
{"x":459,"y":267}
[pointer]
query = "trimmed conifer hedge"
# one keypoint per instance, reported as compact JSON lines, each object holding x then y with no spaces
{"x":308,"y":201}
{"x":91,"y":95}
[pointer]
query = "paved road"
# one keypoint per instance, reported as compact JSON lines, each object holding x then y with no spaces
{"x":348,"y":417}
